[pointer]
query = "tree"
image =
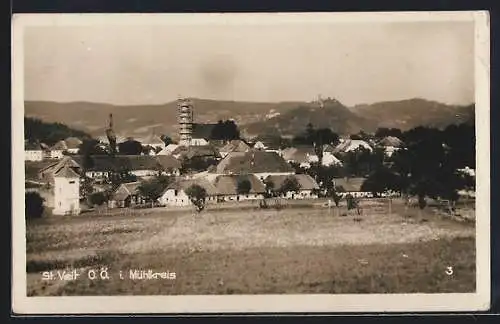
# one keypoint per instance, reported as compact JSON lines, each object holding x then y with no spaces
{"x":197,"y":194}
{"x":166,"y":139}
{"x":153,"y":188}
{"x":384,"y":132}
{"x":33,"y":205}
{"x":269,"y":187}
{"x":130,"y":147}
{"x":352,"y":203}
{"x":243,"y":187}
{"x":196,"y":163}
{"x":290,"y":184}
{"x":380,"y":181}
{"x":98,"y":199}
{"x":35,"y":130}
{"x":225,"y":130}
{"x":90,"y":147}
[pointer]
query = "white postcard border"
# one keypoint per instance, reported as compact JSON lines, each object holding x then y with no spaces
{"x":255,"y":303}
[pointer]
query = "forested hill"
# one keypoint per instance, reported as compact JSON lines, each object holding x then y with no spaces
{"x":36,"y":130}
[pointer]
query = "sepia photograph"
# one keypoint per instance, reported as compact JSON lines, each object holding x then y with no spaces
{"x":187,"y":163}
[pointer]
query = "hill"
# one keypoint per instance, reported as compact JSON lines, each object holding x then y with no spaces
{"x":253,"y":118}
{"x":36,"y":130}
{"x":142,"y":120}
{"x":332,"y":115}
{"x":407,"y":114}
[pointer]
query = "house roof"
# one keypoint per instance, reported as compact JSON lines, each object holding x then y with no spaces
{"x":73,"y":142}
{"x":153,"y":140}
{"x":235,"y":146}
{"x":349,"y":184}
{"x":228,"y":184}
{"x":128,"y":162}
{"x":65,"y":171}
{"x":183,"y":184}
{"x":197,"y":150}
{"x":203,"y":130}
{"x":391,"y":141}
{"x":34,"y":146}
{"x":253,"y":161}
{"x":168,"y":162}
{"x":125,"y":190}
{"x":306,"y":181}
{"x":298,"y":154}
{"x":61,"y":145}
{"x":351,"y":145}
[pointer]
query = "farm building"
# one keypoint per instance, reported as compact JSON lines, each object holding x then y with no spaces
{"x":46,"y":173}
{"x":351,"y":186}
{"x":66,"y":191}
{"x":390,"y":144}
{"x":201,"y":151}
{"x":153,"y":141}
{"x":227,"y":187}
{"x":260,"y":163}
{"x":100,"y":166}
{"x":73,"y":144}
{"x":126,"y":195}
{"x":175,"y":193}
{"x":234,"y":146}
{"x":168,"y":149}
{"x":349,"y":145}
{"x":306,"y":183}
{"x":305,"y":155}
{"x":57,"y":150}
{"x":34,"y":152}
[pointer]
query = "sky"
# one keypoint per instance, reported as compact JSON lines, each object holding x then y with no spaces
{"x":355,"y":63}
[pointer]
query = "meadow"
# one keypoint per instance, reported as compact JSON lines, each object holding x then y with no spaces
{"x":305,"y":249}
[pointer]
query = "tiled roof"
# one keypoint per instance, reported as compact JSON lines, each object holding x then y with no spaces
{"x":253,"y":161}
{"x":391,"y":141}
{"x":305,"y":181}
{"x":65,"y":172}
{"x":235,"y":146}
{"x":73,"y":142}
{"x":228,"y":184}
{"x":183,"y":184}
{"x":298,"y":154}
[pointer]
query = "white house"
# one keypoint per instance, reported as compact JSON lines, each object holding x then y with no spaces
{"x":73,"y":144}
{"x":307,"y":186}
{"x":33,"y":152}
{"x":227,"y":188}
{"x":66,"y":192}
{"x":175,"y":193}
{"x":391,"y":144}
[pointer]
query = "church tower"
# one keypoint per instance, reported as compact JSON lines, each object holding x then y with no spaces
{"x":66,"y":192}
{"x":185,"y":107}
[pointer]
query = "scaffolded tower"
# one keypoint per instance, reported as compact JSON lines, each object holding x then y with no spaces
{"x":185,"y":107}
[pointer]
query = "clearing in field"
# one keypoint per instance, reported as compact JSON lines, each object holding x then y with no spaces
{"x":253,"y":251}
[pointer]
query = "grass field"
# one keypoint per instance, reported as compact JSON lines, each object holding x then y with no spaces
{"x":299,"y":250}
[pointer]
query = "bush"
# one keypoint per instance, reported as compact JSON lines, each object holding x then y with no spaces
{"x":97,"y":198}
{"x":33,"y":205}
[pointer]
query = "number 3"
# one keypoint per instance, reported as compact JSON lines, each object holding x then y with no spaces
{"x":449,"y":271}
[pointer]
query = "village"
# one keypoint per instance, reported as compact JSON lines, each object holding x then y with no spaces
{"x":199,"y":170}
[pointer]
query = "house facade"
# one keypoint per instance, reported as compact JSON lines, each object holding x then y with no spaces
{"x":66,"y":192}
{"x":175,"y":193}
{"x":307,"y":186}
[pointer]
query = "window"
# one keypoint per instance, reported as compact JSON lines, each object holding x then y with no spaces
{"x":72,"y":182}
{"x":176,"y":192}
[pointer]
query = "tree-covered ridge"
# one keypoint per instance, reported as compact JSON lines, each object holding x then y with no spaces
{"x":38,"y":131}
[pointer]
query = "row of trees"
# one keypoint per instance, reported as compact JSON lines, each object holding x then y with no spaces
{"x":37,"y":131}
{"x":428,"y":166}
